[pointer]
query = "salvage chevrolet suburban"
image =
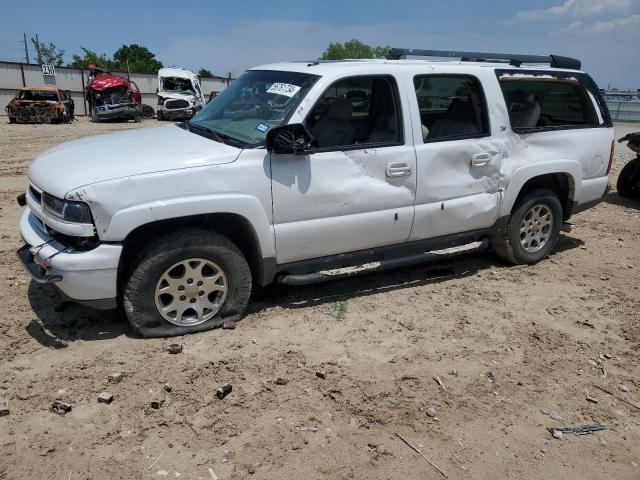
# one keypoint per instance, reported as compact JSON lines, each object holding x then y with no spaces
{"x":299,"y":169}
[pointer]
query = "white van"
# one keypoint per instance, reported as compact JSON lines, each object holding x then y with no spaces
{"x":179,"y":94}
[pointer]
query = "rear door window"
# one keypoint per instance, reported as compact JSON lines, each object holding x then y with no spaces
{"x":547,"y":102}
{"x":451,"y":107}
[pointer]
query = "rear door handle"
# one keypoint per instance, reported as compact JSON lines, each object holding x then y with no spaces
{"x":398,"y":169}
{"x":482,"y":159}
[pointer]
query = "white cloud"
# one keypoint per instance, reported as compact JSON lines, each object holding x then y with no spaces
{"x":575,"y":8}
{"x":630,"y":23}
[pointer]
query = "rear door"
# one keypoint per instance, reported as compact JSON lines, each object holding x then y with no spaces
{"x":355,"y":190}
{"x":458,"y":157}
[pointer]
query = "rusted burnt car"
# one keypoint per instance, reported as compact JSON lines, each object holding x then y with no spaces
{"x":112,"y":96}
{"x":41,"y":105}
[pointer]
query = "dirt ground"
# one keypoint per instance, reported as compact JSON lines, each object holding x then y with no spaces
{"x":506,"y":342}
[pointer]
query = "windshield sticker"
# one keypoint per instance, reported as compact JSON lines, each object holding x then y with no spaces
{"x":262,"y":127}
{"x":285,"y":89}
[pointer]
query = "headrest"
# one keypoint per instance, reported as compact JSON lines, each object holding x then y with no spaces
{"x":522,"y":97}
{"x":340,"y":109}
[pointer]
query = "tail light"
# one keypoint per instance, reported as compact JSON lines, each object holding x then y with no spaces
{"x":613,"y":148}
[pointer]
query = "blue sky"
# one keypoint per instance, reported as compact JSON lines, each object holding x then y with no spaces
{"x":231,"y":36}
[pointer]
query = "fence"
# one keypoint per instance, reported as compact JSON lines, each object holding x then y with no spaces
{"x":14,"y":76}
{"x":624,"y":111}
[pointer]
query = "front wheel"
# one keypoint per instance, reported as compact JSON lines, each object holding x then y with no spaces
{"x":187,"y":282}
{"x":533,"y":228}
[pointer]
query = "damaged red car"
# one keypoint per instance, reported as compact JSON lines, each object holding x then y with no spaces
{"x":112,"y":96}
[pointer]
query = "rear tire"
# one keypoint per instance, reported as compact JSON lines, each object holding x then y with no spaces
{"x":533,"y":228}
{"x":160,"y":115}
{"x":187,"y":259}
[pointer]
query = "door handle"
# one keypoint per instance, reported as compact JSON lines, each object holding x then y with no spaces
{"x":398,"y":169}
{"x":482,"y":159}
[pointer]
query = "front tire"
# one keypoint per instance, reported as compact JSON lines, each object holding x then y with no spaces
{"x":533,"y":228}
{"x":187,"y":282}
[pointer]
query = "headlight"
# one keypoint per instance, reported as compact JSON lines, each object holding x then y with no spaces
{"x":77,"y":212}
{"x":161,"y":100}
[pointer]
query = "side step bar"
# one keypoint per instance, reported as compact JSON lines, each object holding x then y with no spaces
{"x":387,"y":264}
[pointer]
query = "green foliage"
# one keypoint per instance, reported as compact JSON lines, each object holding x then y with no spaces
{"x":47,"y":54}
{"x":136,"y":58}
{"x":92,"y":58}
{"x":204,"y":73}
{"x":337,"y":310}
{"x":133,"y":58}
{"x":353,"y":48}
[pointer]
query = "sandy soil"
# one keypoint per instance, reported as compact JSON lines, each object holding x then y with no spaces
{"x":547,"y":333}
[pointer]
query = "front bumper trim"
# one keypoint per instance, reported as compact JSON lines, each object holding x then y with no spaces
{"x":37,"y":272}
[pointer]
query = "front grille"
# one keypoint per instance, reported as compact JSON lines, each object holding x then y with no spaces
{"x":175,"y":104}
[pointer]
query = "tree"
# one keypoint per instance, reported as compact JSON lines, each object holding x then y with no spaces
{"x":204,"y":73}
{"x":92,"y":58}
{"x":353,"y":48}
{"x":47,"y":54}
{"x":136,"y":58}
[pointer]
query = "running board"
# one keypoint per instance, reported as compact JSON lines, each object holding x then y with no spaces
{"x":392,"y":263}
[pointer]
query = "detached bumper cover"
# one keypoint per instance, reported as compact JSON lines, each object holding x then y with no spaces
{"x":83,"y":276}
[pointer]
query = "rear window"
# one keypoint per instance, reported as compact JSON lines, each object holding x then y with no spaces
{"x":546,"y":102}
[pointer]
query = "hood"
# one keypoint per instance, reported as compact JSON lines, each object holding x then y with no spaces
{"x":135,"y":152}
{"x":178,"y":96}
{"x":108,"y":80}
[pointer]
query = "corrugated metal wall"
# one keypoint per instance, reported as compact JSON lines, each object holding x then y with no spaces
{"x":15,"y":75}
{"x":623,"y":111}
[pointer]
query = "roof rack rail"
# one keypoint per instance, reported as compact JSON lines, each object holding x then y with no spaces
{"x":556,"y":61}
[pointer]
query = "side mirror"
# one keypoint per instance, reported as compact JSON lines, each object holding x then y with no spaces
{"x":291,"y":139}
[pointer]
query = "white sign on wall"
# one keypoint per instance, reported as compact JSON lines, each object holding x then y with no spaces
{"x":49,"y":70}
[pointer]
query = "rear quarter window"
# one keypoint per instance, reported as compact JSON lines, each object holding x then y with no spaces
{"x":540,"y":101}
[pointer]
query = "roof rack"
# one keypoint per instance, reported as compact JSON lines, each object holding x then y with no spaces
{"x":555,"y":61}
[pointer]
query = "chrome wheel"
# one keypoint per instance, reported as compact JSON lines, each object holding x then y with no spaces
{"x":191,"y":291}
{"x":536,"y":227}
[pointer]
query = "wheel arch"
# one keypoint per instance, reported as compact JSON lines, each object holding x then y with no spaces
{"x":235,"y":227}
{"x":561,"y":179}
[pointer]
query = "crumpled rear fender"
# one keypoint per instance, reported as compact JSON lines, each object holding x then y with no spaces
{"x":523,"y":174}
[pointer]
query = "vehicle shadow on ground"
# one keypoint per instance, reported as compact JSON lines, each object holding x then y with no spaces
{"x":55,"y":329}
{"x":375,"y":283}
{"x":615,"y":199}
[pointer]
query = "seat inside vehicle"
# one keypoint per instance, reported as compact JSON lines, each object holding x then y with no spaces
{"x":524,"y":111}
{"x":334,"y":127}
{"x":459,"y":120}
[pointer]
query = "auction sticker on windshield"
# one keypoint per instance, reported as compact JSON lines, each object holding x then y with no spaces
{"x":285,"y":89}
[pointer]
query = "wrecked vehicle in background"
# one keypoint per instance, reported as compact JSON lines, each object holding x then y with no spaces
{"x":179,"y":94}
{"x":112,"y":96}
{"x":40,"y":105}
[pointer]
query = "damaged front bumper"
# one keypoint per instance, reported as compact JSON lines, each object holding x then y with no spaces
{"x":122,"y":110}
{"x":34,"y":113}
{"x":88,"y":277}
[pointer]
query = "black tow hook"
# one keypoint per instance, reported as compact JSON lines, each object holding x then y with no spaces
{"x":22,"y":199}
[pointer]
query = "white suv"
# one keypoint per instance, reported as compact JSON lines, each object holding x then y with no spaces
{"x":299,"y":168}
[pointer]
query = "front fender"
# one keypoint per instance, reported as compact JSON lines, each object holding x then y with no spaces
{"x":126,"y":220}
{"x":521,"y":175}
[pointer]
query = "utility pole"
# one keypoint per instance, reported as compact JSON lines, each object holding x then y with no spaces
{"x":38,"y":49}
{"x":26,"y":48}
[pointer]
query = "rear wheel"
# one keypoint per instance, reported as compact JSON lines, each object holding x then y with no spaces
{"x":533,"y":228}
{"x":160,"y":115}
{"x":187,"y":282}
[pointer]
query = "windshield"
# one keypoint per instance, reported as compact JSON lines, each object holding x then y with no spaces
{"x":39,"y":95}
{"x":176,"y":85}
{"x":257,"y":101}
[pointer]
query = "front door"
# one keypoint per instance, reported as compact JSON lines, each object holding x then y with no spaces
{"x":355,"y":190}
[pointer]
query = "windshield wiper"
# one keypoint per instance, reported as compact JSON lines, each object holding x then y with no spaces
{"x":216,"y":136}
